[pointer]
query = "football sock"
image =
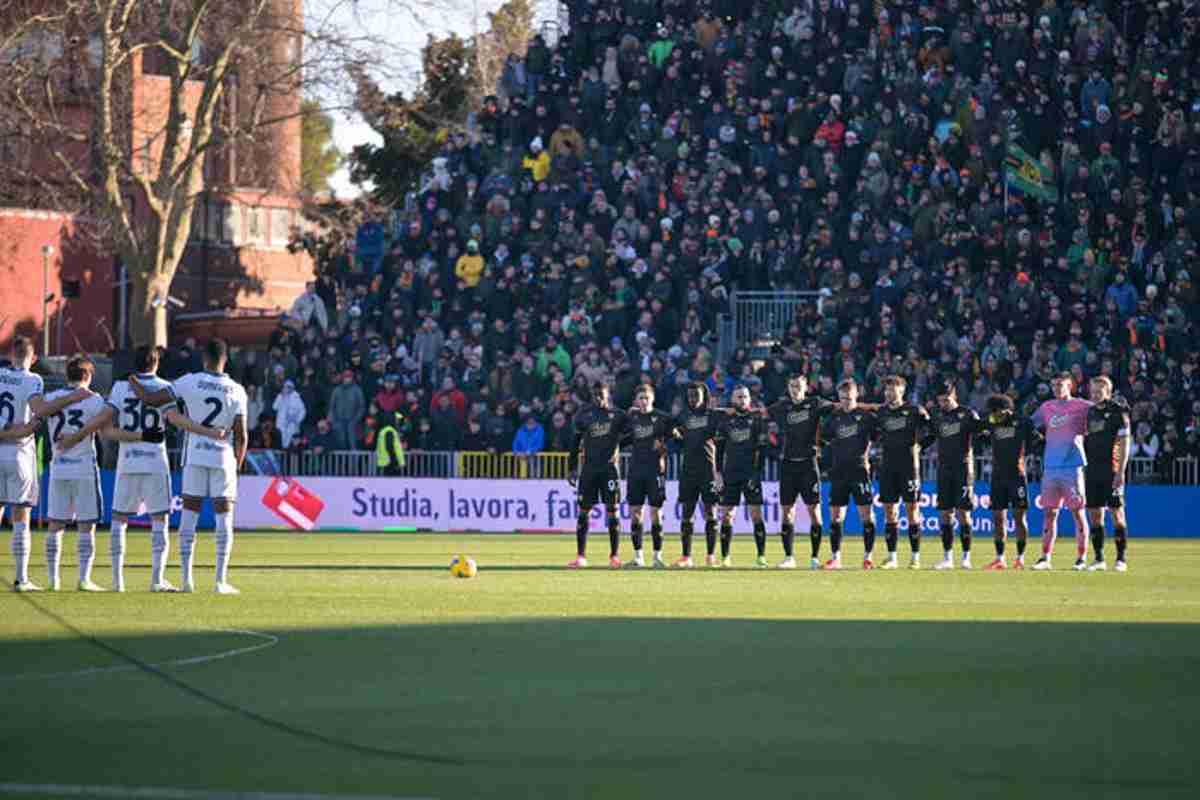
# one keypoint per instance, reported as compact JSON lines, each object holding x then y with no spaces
{"x":788,"y":535}
{"x":964,"y":534}
{"x":1048,"y":537}
{"x":914,"y":538}
{"x":998,"y":542}
{"x":710,"y":536}
{"x":160,"y":546}
{"x":726,"y":538}
{"x":614,"y":536}
{"x":891,"y":535}
{"x":685,"y":537}
{"x":1119,"y":534}
{"x":635,"y":534}
{"x":760,"y":537}
{"x":835,"y":538}
{"x":868,"y":538}
{"x":581,"y":532}
{"x":1081,"y":540}
{"x":948,"y":536}
{"x":187,"y":542}
{"x":21,"y":542}
{"x":116,"y":552}
{"x":86,"y":548}
{"x":224,"y":539}
{"x":1021,"y":542}
{"x":814,"y":538}
{"x":1098,"y":541}
{"x":53,"y":554}
{"x":656,"y":537}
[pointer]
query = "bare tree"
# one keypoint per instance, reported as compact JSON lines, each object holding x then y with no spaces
{"x":123,"y":112}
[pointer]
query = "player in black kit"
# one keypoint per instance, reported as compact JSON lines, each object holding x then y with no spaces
{"x":1012,"y":439}
{"x":954,"y":428}
{"x":698,"y":478}
{"x":1106,"y":445}
{"x":599,"y":428}
{"x":798,"y":418}
{"x":745,"y":435}
{"x":850,"y":430}
{"x":902,"y":427}
{"x":646,"y":477}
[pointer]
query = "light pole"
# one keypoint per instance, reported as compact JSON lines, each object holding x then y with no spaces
{"x":47,"y":251}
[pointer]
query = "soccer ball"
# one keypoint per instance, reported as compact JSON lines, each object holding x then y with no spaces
{"x":464,"y":567}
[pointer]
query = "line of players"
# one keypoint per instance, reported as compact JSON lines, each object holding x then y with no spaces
{"x":1081,"y":438}
{"x":209,"y":406}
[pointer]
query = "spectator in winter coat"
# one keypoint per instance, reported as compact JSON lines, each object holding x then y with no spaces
{"x":309,"y":308}
{"x":391,"y":397}
{"x":454,"y":396}
{"x":289,"y":412}
{"x":347,"y":407}
{"x":530,"y":438}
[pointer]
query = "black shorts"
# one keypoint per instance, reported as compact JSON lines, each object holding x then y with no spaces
{"x":898,"y":483}
{"x":1008,"y":494}
{"x":735,"y":490}
{"x":693,"y":490}
{"x":854,"y":486}
{"x":799,"y":479}
{"x":601,"y":486}
{"x":955,"y":491}
{"x":1100,"y":492}
{"x":648,"y":489}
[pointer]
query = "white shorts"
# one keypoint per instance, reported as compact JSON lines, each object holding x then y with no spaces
{"x":142,"y":492}
{"x":212,"y":482}
{"x":18,"y":484}
{"x":75,"y":499}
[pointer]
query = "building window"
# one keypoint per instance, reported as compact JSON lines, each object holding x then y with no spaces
{"x":232,"y":231}
{"x":255,"y":230}
{"x":281,"y":226}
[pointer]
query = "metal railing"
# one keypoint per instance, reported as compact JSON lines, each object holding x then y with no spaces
{"x":761,"y":316}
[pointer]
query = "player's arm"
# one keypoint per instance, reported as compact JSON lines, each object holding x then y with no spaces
{"x":1124,"y":446}
{"x":101,"y":423}
{"x":23,"y":431}
{"x":48,"y":408}
{"x":159,"y":397}
{"x":241,"y":439}
{"x":186,"y":423}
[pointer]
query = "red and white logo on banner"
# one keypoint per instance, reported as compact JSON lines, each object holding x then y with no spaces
{"x":294,"y":504}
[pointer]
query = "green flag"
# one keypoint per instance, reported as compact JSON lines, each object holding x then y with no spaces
{"x":1027,"y":175}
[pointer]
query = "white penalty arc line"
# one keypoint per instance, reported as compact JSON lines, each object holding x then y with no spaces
{"x":267,"y":641}
{"x":168,"y":793}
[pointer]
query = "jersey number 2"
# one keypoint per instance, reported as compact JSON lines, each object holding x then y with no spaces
{"x":217,"y":407}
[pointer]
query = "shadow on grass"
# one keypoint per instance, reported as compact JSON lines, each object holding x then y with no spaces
{"x":547,"y":707}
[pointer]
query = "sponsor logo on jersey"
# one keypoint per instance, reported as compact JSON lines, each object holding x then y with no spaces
{"x":950,"y":428}
{"x":896,"y":423}
{"x":600,"y":428}
{"x":1097,"y":426}
{"x":1058,"y":420}
{"x":846,"y":431}
{"x":643,"y":431}
{"x":695,"y":423}
{"x":797,"y":417}
{"x":739,"y":435}
{"x":1006,"y":433}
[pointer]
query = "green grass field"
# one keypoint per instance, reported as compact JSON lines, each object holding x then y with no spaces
{"x":355,"y":665}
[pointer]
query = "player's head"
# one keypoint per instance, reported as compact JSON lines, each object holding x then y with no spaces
{"x":1062,"y":384}
{"x":697,"y":394}
{"x":80,"y":370}
{"x":146,"y":359}
{"x":644,"y":398}
{"x":797,"y":387}
{"x":23,"y":354}
{"x":741,"y":398}
{"x":893,"y":389}
{"x":999,"y":406}
{"x":1100,"y":388}
{"x":600,"y":395}
{"x":946,"y":393}
{"x":848,"y":390}
{"x":216,"y":353}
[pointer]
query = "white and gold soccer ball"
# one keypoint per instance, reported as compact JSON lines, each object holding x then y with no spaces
{"x":464,"y":567}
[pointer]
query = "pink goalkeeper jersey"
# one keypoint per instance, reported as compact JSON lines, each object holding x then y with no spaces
{"x":1065,"y":422}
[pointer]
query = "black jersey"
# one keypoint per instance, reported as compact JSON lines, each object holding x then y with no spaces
{"x":849,"y":434}
{"x":800,"y":425}
{"x":901,"y":430}
{"x":955,"y":434}
{"x":600,"y":431}
{"x":646,"y":431}
{"x":745,"y":437}
{"x":1107,"y":422}
{"x":698,"y":429}
{"x":1012,"y":439}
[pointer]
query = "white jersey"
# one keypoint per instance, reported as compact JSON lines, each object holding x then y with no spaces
{"x":80,"y":460}
{"x":213,"y":400}
{"x":139,"y":458}
{"x":17,"y":386}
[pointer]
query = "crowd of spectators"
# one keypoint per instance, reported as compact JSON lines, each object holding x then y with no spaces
{"x":664,"y":153}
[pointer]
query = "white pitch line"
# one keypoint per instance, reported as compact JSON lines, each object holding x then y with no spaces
{"x":168,"y":793}
{"x":269,"y":641}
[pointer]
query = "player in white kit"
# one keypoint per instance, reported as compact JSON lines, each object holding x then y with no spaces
{"x":210,"y":466}
{"x":21,"y":407}
{"x":143,"y":482}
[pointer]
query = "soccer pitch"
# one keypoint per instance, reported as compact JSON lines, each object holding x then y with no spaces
{"x":356,"y":665}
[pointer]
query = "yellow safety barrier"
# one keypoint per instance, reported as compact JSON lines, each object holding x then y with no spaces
{"x":480,"y":464}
